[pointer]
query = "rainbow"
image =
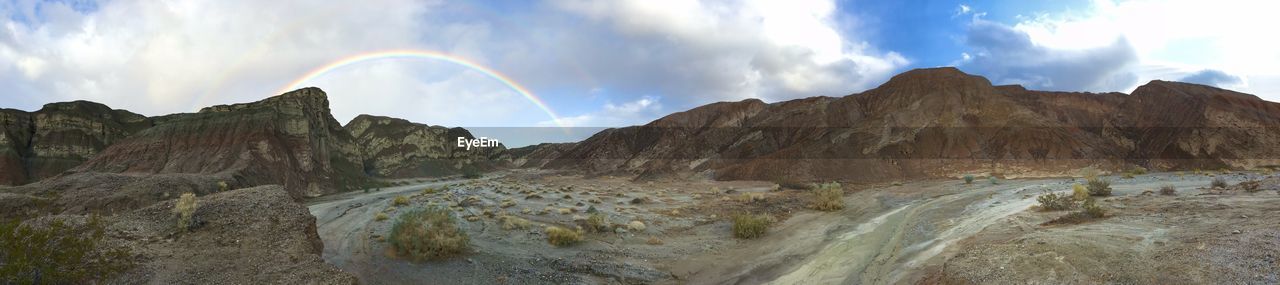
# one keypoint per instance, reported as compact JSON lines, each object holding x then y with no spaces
{"x":426,"y":54}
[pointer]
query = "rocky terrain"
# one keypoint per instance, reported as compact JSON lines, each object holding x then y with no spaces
{"x":941,"y":122}
{"x":59,"y":136}
{"x":397,"y":148}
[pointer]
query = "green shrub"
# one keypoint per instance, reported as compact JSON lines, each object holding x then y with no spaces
{"x":1055,"y":202}
{"x":558,"y":236}
{"x":747,"y":226}
{"x":1138,"y":170}
{"x":185,"y":208}
{"x":1099,"y":187}
{"x":993,"y":180}
{"x":222,"y":186}
{"x":429,"y":233}
{"x":400,"y":201}
{"x":968,"y":179}
{"x":1218,"y":182}
{"x":380,"y":217}
{"x":597,"y":222}
{"x":1168,"y":190}
{"x":58,"y":253}
{"x":1089,"y":210}
{"x":828,"y":199}
{"x":1079,"y":192}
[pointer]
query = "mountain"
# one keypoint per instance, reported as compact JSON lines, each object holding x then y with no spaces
{"x":941,"y":122}
{"x":59,"y":136}
{"x":535,"y":156}
{"x":398,"y":148}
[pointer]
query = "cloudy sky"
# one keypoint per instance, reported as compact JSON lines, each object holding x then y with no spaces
{"x":607,"y":63}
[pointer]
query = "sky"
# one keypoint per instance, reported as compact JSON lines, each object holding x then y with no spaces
{"x":610,"y":63}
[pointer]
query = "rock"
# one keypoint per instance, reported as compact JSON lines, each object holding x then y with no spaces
{"x":1235,"y":232}
{"x":59,"y":136}
{"x":398,"y":148}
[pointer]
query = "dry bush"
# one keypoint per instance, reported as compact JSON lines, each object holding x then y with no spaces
{"x":513,"y":222}
{"x":222,"y":186}
{"x":1079,"y":192}
{"x":746,"y":198}
{"x":185,"y":208}
{"x":400,"y":201}
{"x":828,"y":199}
{"x":792,"y":184}
{"x":1099,"y":187}
{"x":654,"y":241}
{"x":1089,"y":210}
{"x":1055,"y":202}
{"x":558,"y":236}
{"x":428,"y":191}
{"x":1168,"y":190}
{"x":380,"y":217}
{"x":597,"y":222}
{"x":425,"y":234}
{"x":747,"y":226}
{"x":636,"y":226}
{"x":1250,"y":186}
{"x":1218,"y":182}
{"x":1138,"y":170}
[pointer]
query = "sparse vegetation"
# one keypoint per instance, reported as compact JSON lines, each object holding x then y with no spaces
{"x":993,"y":180}
{"x":750,"y":197}
{"x":597,"y":222}
{"x":1218,"y":182}
{"x":380,"y":217}
{"x":58,"y":253}
{"x":426,"y":234}
{"x":1054,"y":202}
{"x":428,"y":191}
{"x":636,"y":226}
{"x":471,"y":174}
{"x":558,"y":236}
{"x":1250,"y":186}
{"x":185,"y":208}
{"x":1138,"y":170}
{"x":828,"y":199}
{"x":1099,"y":187}
{"x":1089,"y":210}
{"x":222,"y":186}
{"x":400,"y":201}
{"x":1079,"y":192}
{"x":796,"y":185}
{"x":654,"y":241}
{"x":748,"y":226}
{"x":1168,"y":190}
{"x":513,"y":222}
{"x":968,"y":179}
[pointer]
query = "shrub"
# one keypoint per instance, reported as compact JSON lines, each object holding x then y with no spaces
{"x":1250,"y":186}
{"x":558,"y":236}
{"x":58,"y":253}
{"x":750,"y":197}
{"x":380,"y":217}
{"x":1055,"y":202}
{"x":513,"y":222}
{"x":747,"y":226}
{"x":1138,"y":170}
{"x":429,"y":233}
{"x":185,"y":208}
{"x":654,"y":241}
{"x":471,"y":174}
{"x":636,"y":226}
{"x":968,"y":179}
{"x":1168,"y":190}
{"x":791,"y":184}
{"x":222,"y":186}
{"x":1218,"y":182}
{"x":1089,"y":210}
{"x":428,"y":191}
{"x":1099,"y":187}
{"x":828,"y":199}
{"x":993,"y":180}
{"x":1128,"y":176}
{"x":597,"y":222}
{"x":1079,"y":192}
{"x":400,"y":201}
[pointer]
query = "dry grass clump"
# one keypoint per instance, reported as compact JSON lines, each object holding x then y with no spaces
{"x":597,"y":222}
{"x":1168,"y":190}
{"x":636,"y":226}
{"x":426,"y":234}
{"x":1054,"y":202}
{"x":1099,"y":187}
{"x":558,"y":236}
{"x":513,"y":222}
{"x":400,"y":201}
{"x":428,"y":191}
{"x":748,"y":226}
{"x":185,"y":208}
{"x":565,"y":211}
{"x":380,"y":217}
{"x":1218,"y":182}
{"x":222,"y":186}
{"x":750,"y":197}
{"x":828,"y":199}
{"x":1079,"y":192}
{"x":654,"y":241}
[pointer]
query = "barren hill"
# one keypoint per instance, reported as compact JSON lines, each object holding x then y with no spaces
{"x":941,"y":122}
{"x":59,"y":136}
{"x":393,"y":147}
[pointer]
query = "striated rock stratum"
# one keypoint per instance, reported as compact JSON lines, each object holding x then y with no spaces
{"x":398,"y":148}
{"x":59,"y":136}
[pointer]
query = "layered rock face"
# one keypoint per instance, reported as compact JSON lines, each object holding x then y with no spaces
{"x":538,"y":155}
{"x":942,"y":122}
{"x":59,"y":136}
{"x":398,"y":148}
{"x":290,"y":140}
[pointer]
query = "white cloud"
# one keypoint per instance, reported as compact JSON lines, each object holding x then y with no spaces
{"x":1171,"y":39}
{"x":638,"y":112}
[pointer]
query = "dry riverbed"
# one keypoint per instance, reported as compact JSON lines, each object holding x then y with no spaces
{"x":941,"y":231}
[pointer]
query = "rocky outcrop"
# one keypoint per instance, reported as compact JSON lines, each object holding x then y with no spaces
{"x":535,"y":156}
{"x":290,"y":140}
{"x":398,"y":148}
{"x":59,"y":136}
{"x":941,"y":122}
{"x":255,"y":235}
